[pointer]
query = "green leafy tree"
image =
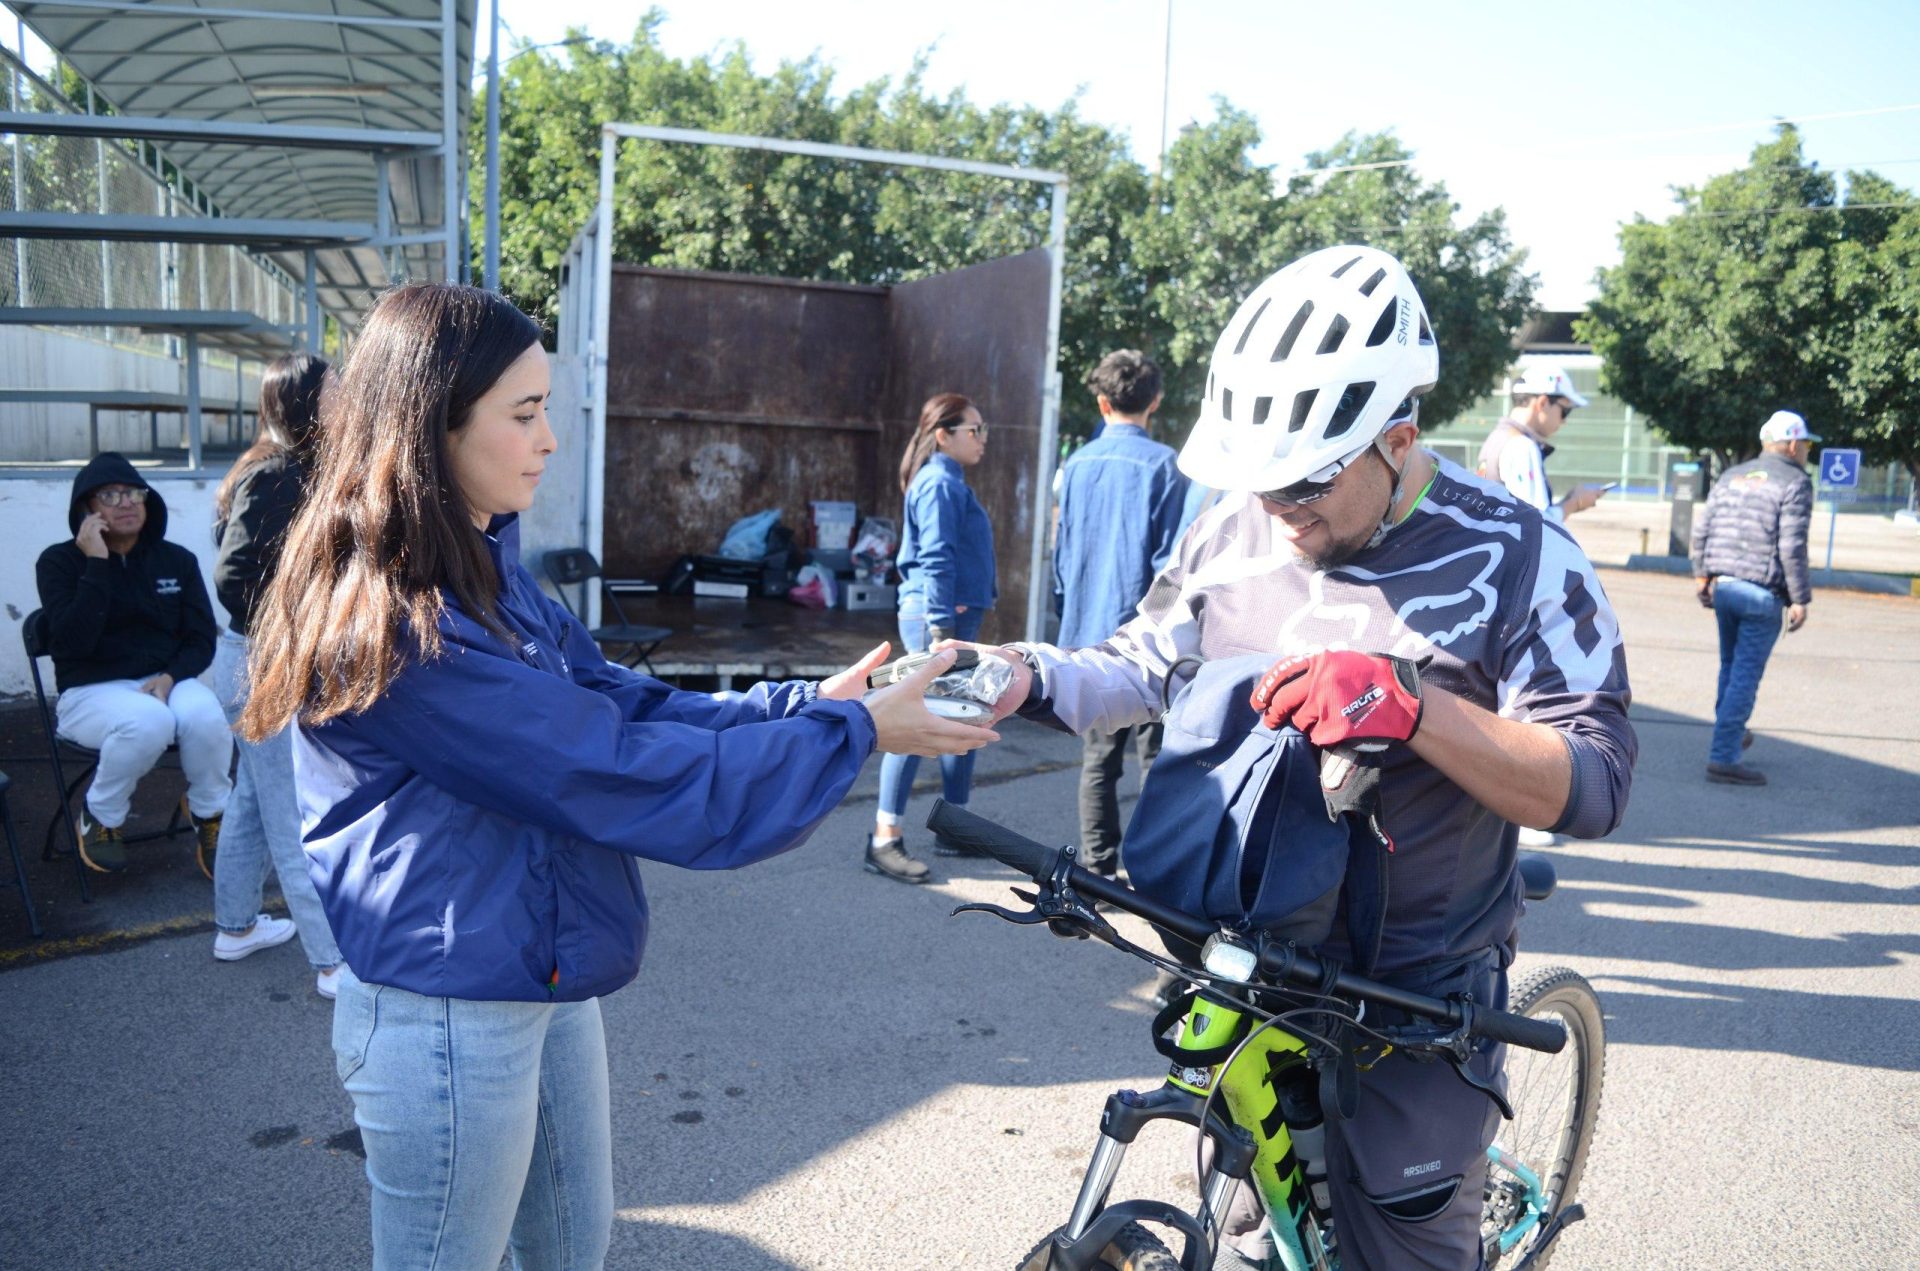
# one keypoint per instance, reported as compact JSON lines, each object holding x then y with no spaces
{"x":1877,"y":282}
{"x":1726,"y":312}
{"x":1152,"y":262}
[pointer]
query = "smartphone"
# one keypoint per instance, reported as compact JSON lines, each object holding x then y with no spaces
{"x":898,"y":669}
{"x":1609,"y":487}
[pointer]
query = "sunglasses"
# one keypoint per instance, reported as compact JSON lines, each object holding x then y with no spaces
{"x":970,"y":429}
{"x":1300,"y":493}
{"x":121,"y":497}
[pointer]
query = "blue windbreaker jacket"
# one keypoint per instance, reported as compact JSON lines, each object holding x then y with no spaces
{"x":946,"y":544}
{"x":474,"y":833}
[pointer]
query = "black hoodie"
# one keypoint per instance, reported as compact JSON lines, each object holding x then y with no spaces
{"x":126,"y":617}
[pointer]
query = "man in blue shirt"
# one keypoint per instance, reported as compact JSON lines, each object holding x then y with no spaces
{"x":1121,"y":500}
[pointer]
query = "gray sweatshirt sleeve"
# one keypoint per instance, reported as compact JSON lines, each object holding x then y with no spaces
{"x":1796,"y":512}
{"x":1566,"y":667}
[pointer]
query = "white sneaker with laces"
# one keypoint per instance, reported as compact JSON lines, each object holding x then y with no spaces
{"x":1537,"y":838}
{"x":327,"y":983}
{"x":265,"y":933}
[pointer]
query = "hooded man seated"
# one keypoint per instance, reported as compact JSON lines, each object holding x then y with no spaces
{"x":129,"y":626}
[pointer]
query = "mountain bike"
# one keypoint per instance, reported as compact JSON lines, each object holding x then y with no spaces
{"x":1264,"y":1032}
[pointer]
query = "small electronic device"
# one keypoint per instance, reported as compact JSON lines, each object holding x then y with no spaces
{"x":965,"y":710}
{"x":1609,"y":486}
{"x":900,"y":668}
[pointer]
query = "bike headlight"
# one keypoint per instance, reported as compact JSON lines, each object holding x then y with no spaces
{"x":1224,"y":956}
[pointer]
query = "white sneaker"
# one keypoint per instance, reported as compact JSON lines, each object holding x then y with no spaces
{"x":266,"y":933}
{"x":327,"y":983}
{"x":1537,"y":838}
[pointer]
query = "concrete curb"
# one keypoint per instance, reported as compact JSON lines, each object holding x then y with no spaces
{"x":1845,"y":579}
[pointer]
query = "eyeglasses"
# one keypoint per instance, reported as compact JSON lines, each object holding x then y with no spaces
{"x":120,"y":496}
{"x":971,"y":429}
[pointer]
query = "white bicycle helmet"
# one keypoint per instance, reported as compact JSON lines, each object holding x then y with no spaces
{"x":1310,"y":370}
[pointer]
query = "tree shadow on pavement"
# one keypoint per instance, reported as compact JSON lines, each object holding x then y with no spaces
{"x":1872,"y":1032}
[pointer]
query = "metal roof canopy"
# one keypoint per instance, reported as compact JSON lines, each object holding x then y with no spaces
{"x":350,"y":112}
{"x":598,"y":232}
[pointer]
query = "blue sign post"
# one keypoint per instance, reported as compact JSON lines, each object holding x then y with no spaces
{"x":1839,"y":470}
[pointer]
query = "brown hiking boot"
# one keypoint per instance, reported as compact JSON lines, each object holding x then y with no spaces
{"x":890,"y":860}
{"x":101,"y":846}
{"x":206,"y":842}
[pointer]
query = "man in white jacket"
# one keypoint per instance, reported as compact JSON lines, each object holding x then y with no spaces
{"x":1515,"y":452}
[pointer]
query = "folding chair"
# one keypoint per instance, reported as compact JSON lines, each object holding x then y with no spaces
{"x":61,"y":828}
{"x":576,"y":565}
{"x":19,"y":867}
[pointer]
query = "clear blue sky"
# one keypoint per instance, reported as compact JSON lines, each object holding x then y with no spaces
{"x":1573,"y":119}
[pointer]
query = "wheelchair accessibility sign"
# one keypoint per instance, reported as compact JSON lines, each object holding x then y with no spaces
{"x":1840,"y":469}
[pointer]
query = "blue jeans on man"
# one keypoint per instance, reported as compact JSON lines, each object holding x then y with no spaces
{"x":1749,"y":617}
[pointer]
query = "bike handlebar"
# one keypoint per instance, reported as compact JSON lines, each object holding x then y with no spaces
{"x":1281,"y":963}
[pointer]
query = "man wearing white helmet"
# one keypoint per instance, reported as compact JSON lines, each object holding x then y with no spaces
{"x":1515,"y":452}
{"x":1473,"y":629}
{"x":1749,"y":554}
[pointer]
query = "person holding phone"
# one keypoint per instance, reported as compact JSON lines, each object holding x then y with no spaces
{"x":478,"y":782}
{"x":947,"y":585}
{"x":1515,"y":452}
{"x":130,"y":627}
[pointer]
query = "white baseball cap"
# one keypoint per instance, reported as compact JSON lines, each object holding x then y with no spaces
{"x":1784,"y":425}
{"x":1546,"y":381}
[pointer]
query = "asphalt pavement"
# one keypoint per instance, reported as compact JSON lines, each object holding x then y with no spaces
{"x":822,"y":1069}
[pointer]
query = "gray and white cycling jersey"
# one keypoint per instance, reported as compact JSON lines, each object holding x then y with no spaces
{"x":1501,"y":604}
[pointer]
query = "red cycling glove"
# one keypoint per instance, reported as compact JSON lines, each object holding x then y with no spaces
{"x":1342,"y":697}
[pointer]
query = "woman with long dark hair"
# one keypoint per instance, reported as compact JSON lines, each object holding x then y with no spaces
{"x":477,"y":781}
{"x":261,"y":830}
{"x":947,"y":585}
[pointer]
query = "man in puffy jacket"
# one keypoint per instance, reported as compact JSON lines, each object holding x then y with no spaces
{"x":1750,"y":562}
{"x":129,"y":626}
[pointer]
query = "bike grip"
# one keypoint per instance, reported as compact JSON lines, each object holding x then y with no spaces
{"x":1016,"y":850}
{"x":1520,"y":1030}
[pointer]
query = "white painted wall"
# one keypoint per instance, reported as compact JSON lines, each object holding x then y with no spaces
{"x":33,"y":514}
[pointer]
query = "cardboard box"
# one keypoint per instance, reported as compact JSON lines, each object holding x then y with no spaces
{"x":862,"y":595}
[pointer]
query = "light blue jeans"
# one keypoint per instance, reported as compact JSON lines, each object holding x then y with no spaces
{"x":261,"y":828}
{"x":487,"y":1128}
{"x":1749,"y":617}
{"x":897,"y":771}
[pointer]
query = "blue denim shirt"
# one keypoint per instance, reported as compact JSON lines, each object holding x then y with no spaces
{"x":1120,"y":516}
{"x":946,"y":545}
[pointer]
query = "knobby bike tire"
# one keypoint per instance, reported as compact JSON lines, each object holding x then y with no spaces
{"x":1556,"y":1098}
{"x":1134,"y":1248}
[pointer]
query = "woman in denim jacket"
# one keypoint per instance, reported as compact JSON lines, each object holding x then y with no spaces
{"x":947,"y":585}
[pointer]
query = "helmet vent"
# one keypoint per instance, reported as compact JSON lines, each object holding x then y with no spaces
{"x":1226,"y":404}
{"x":1261,"y":406}
{"x":1351,"y":403}
{"x":1383,"y":328}
{"x":1426,"y":332}
{"x":1336,"y":332}
{"x":1344,"y":268}
{"x":1302,"y":407}
{"x":1379,"y":276}
{"x":1283,"y":349}
{"x":1210,"y":378}
{"x":1252,"y":322}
